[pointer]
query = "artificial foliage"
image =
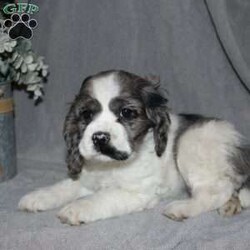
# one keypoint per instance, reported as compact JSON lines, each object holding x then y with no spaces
{"x":20,"y":65}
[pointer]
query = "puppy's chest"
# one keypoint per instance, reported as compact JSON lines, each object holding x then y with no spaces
{"x":139,"y":176}
{"x":97,"y":179}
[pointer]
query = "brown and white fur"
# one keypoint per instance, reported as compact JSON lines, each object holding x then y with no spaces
{"x":126,"y":152}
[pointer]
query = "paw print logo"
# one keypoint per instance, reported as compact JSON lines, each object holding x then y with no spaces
{"x":20,"y":26}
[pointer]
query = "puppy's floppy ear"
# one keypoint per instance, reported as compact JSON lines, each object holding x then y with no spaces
{"x":72,"y":137}
{"x":157,"y":113}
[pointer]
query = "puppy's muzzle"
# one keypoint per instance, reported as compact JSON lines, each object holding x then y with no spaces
{"x":100,"y":139}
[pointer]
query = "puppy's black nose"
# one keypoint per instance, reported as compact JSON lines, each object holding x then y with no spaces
{"x":101,"y":138}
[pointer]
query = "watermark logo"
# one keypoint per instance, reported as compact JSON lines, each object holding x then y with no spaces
{"x":20,"y":8}
{"x":20,"y":24}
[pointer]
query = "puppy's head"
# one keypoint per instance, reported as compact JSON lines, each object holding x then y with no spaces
{"x":110,"y":117}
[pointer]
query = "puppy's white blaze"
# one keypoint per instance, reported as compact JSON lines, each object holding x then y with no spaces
{"x":104,"y":89}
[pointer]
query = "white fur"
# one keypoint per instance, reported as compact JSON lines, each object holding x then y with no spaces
{"x":244,"y":196}
{"x":114,"y":188}
{"x":117,"y":188}
{"x":104,"y":90}
{"x":203,"y":163}
{"x":53,"y":196}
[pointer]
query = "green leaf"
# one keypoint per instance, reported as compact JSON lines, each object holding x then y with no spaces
{"x":32,"y":87}
{"x":18,"y":62}
{"x":28,"y":59}
{"x":32,"y":66}
{"x":14,"y":56}
{"x":24,"y":68}
{"x":38,"y":92}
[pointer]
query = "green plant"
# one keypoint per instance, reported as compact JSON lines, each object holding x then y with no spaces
{"x":21,"y":65}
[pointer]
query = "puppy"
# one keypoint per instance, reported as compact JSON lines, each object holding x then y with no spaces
{"x":126,"y":152}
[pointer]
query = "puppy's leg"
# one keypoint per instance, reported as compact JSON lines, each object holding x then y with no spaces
{"x":244,"y":197}
{"x":202,"y":200}
{"x":53,"y":196}
{"x":105,"y":204}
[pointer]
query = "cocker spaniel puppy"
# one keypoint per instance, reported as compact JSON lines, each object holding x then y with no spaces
{"x":126,"y":152}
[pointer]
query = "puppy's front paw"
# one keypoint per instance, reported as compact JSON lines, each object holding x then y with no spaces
{"x":75,"y":213}
{"x":39,"y":200}
{"x":177,"y":210}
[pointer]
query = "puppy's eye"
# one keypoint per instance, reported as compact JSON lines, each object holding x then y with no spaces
{"x":87,"y":114}
{"x":128,"y":113}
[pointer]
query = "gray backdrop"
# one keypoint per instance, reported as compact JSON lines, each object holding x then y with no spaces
{"x":174,"y":39}
{"x":201,"y":52}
